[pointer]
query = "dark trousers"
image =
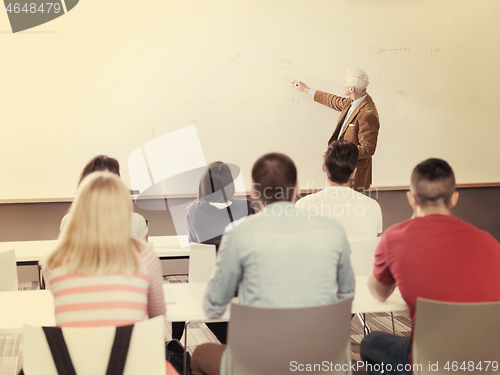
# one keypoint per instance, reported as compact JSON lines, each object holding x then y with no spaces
{"x":381,"y":347}
{"x":218,"y":329}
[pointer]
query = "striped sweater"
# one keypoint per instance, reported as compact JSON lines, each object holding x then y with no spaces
{"x":107,"y":300}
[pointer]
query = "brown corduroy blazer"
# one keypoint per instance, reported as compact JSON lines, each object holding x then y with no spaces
{"x":361,"y":128}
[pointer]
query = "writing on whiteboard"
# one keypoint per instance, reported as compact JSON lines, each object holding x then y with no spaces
{"x":382,"y":50}
{"x":283,"y":62}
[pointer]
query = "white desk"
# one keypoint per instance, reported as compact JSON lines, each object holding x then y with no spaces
{"x":32,"y":252}
{"x":169,"y":241}
{"x":29,"y":252}
{"x":35,"y":307}
{"x":184,"y":301}
{"x":364,"y":302}
{"x":169,"y":246}
{"x":174,"y":257}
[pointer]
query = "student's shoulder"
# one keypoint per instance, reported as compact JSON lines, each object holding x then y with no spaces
{"x":367,"y":201}
{"x":417,"y":226}
{"x":197,"y":206}
{"x":401,"y":227}
{"x":310,"y":199}
{"x":364,"y":197}
{"x":476,"y":233}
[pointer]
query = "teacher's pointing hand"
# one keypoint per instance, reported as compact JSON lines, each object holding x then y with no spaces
{"x":301,"y":86}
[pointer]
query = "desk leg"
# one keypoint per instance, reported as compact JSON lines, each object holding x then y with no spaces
{"x":366,"y":329}
{"x":41,"y":280}
{"x":393,"y":329}
{"x":185,"y":348}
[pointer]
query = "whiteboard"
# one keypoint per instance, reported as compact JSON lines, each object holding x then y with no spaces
{"x":111,"y":76}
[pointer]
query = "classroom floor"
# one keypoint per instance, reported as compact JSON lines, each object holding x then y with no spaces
{"x":11,"y":345}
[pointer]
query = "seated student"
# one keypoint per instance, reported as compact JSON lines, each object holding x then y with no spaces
{"x":138,"y":225}
{"x":278,"y":257}
{"x":215,"y":210}
{"x":97,"y":258}
{"x":434,"y":256}
{"x":98,"y":274}
{"x":209,"y":217}
{"x":360,"y":215}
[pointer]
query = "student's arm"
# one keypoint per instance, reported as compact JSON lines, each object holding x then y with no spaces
{"x":345,"y":276}
{"x":190,"y":223}
{"x":379,"y":290}
{"x":227,"y":276}
{"x":381,"y":220}
{"x":381,"y":281}
{"x":191,"y":236}
{"x":156,"y":301}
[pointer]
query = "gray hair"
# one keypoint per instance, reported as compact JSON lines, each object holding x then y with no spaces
{"x":357,"y":78}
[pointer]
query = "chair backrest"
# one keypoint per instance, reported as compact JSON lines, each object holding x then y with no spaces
{"x":8,"y":271}
{"x":448,"y":332}
{"x":263,"y":341}
{"x":201,"y":262}
{"x":363,"y":256}
{"x":90,"y":349}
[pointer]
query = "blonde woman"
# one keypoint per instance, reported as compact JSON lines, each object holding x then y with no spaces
{"x":100,"y":275}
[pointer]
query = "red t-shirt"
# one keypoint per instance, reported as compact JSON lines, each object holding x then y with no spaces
{"x":439,"y":257}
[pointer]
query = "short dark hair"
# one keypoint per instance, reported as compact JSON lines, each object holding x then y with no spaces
{"x":274,"y":177}
{"x":100,"y":163}
{"x":432,"y":183}
{"x":341,"y":159}
{"x":216,"y":184}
